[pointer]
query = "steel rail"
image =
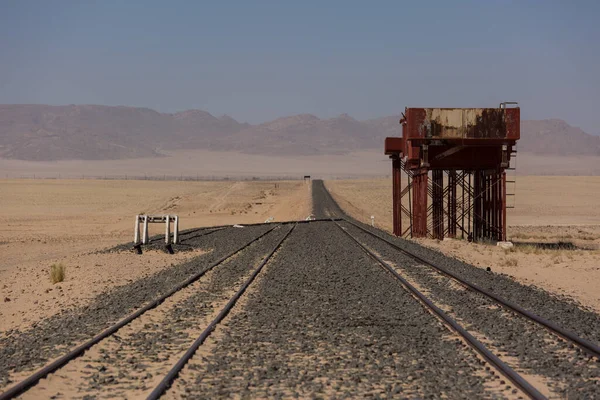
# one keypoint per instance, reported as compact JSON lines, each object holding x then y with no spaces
{"x":589,"y":347}
{"x":166,"y":382}
{"x":507,"y":371}
{"x":158,"y":238}
{"x":30,"y":381}
{"x":201,"y":235}
{"x":209,"y":229}
{"x":222,"y":227}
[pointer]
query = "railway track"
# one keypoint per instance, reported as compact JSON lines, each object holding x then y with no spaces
{"x":324,"y":286}
{"x":187,"y":235}
{"x":341,"y":309}
{"x":571,"y":339}
{"x":76,"y":352}
{"x":166,"y":382}
{"x":494,"y":360}
{"x":549,"y":344}
{"x":591,"y":348}
{"x":172,"y":374}
{"x":191,"y":234}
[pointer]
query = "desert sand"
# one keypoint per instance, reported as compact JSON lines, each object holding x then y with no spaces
{"x":548,"y":209}
{"x":68,"y":221}
{"x":207,"y":164}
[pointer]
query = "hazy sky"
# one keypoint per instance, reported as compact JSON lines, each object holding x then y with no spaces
{"x":258,"y":60}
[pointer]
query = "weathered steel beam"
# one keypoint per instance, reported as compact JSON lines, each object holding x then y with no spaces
{"x":420,"y":179}
{"x":452,"y":204}
{"x":397,"y":195}
{"x":437,"y":200}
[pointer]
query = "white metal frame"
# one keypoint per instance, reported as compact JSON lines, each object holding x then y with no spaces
{"x":149,"y":219}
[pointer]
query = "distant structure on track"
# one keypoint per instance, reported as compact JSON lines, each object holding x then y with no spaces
{"x":458,"y":158}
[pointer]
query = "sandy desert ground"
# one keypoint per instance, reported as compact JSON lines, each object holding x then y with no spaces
{"x":547,"y":209}
{"x":67,"y":221}
{"x":204,"y":163}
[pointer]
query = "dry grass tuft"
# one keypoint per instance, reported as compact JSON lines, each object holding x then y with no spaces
{"x":57,"y":273}
{"x":521,"y":235}
{"x":510,"y":262}
{"x":530,"y":249}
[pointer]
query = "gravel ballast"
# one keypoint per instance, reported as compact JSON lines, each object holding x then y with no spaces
{"x":322,"y":320}
{"x":325,"y":321}
{"x":52,"y":337}
{"x":570,"y":373}
{"x":130,"y":364}
{"x":559,"y":309}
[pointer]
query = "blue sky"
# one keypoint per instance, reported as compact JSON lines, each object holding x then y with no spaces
{"x":258,"y":60}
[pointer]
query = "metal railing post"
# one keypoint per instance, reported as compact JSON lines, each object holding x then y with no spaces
{"x":136,"y":232}
{"x":168,"y":230}
{"x":145,"y":232}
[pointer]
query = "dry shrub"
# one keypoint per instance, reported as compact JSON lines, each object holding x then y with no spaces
{"x":521,"y":235}
{"x":57,"y":273}
{"x":530,"y":249}
{"x":510,"y":262}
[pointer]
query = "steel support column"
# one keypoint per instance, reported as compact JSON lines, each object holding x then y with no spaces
{"x":486,"y":205}
{"x":469,"y":204}
{"x":503,"y":197}
{"x":477,"y":204}
{"x":437,"y":201}
{"x":497,"y":209}
{"x":452,"y":203}
{"x":420,"y":203}
{"x":397,"y":195}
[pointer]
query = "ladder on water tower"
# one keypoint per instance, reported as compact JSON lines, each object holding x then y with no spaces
{"x":511,"y":180}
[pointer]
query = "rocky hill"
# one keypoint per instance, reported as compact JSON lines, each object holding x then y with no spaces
{"x":555,"y":136}
{"x":91,"y":132}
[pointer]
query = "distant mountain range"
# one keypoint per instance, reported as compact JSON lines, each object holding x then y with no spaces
{"x":92,"y":132}
{"x":555,"y":136}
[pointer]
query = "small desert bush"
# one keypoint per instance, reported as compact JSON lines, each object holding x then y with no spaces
{"x":510,"y":262}
{"x":557,"y":258}
{"x":521,"y":235}
{"x":530,"y":249}
{"x":57,"y":273}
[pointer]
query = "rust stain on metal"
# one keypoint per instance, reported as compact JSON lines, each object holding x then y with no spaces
{"x":463,"y":123}
{"x":473,"y":146}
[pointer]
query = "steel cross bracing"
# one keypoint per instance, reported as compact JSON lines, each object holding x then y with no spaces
{"x":455,"y":161}
{"x":462,"y":201}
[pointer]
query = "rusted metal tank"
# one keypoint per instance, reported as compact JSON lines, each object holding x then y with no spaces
{"x":467,"y":149}
{"x":459,"y":138}
{"x":462,"y":123}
